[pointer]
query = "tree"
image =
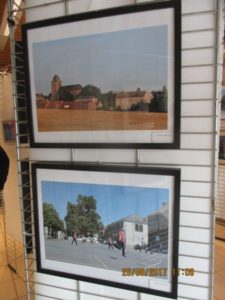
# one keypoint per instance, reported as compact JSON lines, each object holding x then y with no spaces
{"x":82,"y":216}
{"x":108,"y":101}
{"x":51,"y":218}
{"x":159,"y":101}
{"x":90,"y":91}
{"x":70,"y":218}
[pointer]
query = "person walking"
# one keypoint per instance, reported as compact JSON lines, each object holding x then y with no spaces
{"x":74,"y":238}
{"x":110,"y":243}
{"x":122,"y":240}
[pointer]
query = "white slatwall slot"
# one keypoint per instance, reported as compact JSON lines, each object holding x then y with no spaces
{"x":194,"y":249}
{"x":198,"y":57}
{"x":198,"y":74}
{"x":195,"y":158}
{"x":195,"y":189}
{"x":47,"y":279}
{"x":201,"y":21}
{"x":197,"y":108}
{"x":192,"y":292}
{"x":199,"y":264}
{"x":193,"y":234}
{"x":191,"y":124}
{"x":54,"y":292}
{"x":177,"y":157}
{"x":195,"y":204}
{"x":196,"y":173}
{"x":103,"y":291}
{"x":39,"y":10}
{"x":90,"y":297}
{"x":146,"y":297}
{"x":201,"y":91}
{"x":193,"y":220}
{"x":192,"y":6}
{"x":81,"y":5}
{"x":197,"y":141}
{"x":199,"y":279}
{"x":194,"y":40}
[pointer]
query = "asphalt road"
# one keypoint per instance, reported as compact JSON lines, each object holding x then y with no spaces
{"x":98,"y":255}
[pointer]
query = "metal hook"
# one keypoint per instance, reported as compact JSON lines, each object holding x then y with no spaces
{"x":10,"y":21}
{"x":73,"y":156}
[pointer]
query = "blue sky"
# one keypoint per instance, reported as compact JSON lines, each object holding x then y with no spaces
{"x":123,"y":60}
{"x":113,"y":202}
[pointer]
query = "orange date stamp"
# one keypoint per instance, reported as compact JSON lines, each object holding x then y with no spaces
{"x":157,"y":272}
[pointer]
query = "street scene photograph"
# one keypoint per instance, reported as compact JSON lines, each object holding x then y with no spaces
{"x":105,"y":226}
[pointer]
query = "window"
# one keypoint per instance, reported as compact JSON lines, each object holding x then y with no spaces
{"x":138,"y":227}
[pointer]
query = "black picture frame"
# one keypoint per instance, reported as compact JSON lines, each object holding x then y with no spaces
{"x":121,"y":97}
{"x":117,"y":197}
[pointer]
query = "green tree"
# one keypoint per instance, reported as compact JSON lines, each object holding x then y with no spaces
{"x":70,"y":218}
{"x":108,"y":101}
{"x":51,"y":217}
{"x":159,"y":102}
{"x":90,"y":91}
{"x":82,"y":216}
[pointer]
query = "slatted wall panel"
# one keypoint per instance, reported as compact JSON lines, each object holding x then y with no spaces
{"x":220,"y":202}
{"x":195,"y":158}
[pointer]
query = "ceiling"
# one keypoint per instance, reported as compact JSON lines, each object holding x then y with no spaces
{"x":5,"y":59}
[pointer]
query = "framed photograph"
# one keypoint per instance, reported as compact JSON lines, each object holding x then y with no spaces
{"x":9,"y":130}
{"x":106,"y":79}
{"x":115,"y":226}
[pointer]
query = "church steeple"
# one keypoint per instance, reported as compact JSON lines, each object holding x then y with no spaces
{"x":56,"y":83}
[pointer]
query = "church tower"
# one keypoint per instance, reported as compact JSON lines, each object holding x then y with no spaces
{"x":55,"y":86}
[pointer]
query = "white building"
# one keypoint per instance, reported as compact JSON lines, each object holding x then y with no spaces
{"x":136,"y":230}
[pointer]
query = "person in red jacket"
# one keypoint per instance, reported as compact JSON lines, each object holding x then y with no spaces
{"x":4,"y":167}
{"x":122,"y":240}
